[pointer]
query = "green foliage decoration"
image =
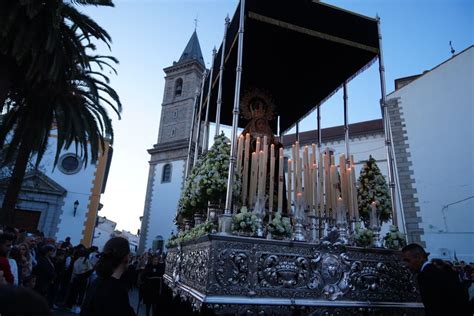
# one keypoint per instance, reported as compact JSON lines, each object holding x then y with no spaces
{"x":373,"y":187}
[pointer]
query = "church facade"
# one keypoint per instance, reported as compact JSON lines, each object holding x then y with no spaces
{"x":169,"y":154}
{"x":63,"y":200}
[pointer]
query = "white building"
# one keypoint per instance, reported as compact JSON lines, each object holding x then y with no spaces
{"x":63,"y":201}
{"x":169,"y":154}
{"x":432,"y":117}
{"x":104,"y":230}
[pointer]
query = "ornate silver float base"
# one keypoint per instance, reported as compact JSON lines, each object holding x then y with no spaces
{"x":253,"y":276}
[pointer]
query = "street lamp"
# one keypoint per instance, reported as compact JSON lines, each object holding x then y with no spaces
{"x":76,"y":204}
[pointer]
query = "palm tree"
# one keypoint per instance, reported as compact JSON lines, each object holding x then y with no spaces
{"x":51,"y":80}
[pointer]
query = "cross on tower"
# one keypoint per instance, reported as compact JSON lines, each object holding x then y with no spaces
{"x":196,"y":22}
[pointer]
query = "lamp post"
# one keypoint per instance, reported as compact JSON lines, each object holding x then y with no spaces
{"x":76,"y":204}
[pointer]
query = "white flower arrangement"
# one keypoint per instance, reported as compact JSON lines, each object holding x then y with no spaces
{"x":192,"y":234}
{"x":208,"y":180}
{"x":280,"y":226}
{"x":244,"y":221}
{"x":395,"y":239}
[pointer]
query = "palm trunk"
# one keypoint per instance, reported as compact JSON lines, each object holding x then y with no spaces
{"x":5,"y":79}
{"x":14,"y":185}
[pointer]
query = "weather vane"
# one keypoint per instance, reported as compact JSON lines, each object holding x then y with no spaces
{"x":452,"y":49}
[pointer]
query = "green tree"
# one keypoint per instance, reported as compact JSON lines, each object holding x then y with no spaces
{"x":51,"y":80}
{"x":373,"y":187}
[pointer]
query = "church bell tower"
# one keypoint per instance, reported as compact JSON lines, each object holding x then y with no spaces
{"x":168,"y":155}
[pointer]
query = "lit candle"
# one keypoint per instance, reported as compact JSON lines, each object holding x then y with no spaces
{"x":298,"y":205}
{"x":288,"y":187}
{"x":272,"y":178}
{"x":340,"y":210}
{"x":373,"y":215}
{"x":280,"y":181}
{"x":343,"y":178}
{"x":253,"y":178}
{"x":246,"y":170}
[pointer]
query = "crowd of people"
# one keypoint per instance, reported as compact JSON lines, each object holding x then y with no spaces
{"x":39,"y":274}
{"x":72,"y":278}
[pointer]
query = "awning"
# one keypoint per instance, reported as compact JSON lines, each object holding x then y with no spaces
{"x":299,"y":51}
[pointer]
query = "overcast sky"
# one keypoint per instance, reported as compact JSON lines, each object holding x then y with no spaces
{"x":148,"y":35}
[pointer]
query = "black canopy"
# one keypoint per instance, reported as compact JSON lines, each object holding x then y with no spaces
{"x":299,"y":51}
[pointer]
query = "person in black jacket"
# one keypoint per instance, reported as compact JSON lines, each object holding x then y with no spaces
{"x":108,"y":295}
{"x":440,"y":287}
{"x":152,"y":283}
{"x":45,"y":272}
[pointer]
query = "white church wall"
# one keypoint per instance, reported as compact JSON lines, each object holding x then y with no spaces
{"x":164,"y":202}
{"x":78,"y":187}
{"x":438,"y":113}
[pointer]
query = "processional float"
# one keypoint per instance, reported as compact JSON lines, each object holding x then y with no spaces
{"x":279,"y":61}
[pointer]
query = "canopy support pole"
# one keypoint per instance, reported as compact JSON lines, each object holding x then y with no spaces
{"x":387,"y":130}
{"x":235,"y":120}
{"x":191,"y":133}
{"x":221,"y":74}
{"x":205,"y":139}
{"x":198,"y":132}
{"x":346,"y":123}
{"x":297,"y":133}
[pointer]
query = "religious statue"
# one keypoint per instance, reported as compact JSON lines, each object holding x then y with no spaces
{"x":257,"y":107}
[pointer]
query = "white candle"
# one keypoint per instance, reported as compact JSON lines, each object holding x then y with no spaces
{"x":246,"y":170}
{"x":333,"y":191}
{"x":307,"y":189}
{"x":340,"y":210}
{"x":320,"y":186}
{"x":272,"y":178}
{"x":261,"y":178}
{"x":327,"y":184}
{"x":349,"y":194}
{"x":253,"y":178}
{"x":280,"y":182}
{"x":373,"y":215}
{"x":240,"y":148}
{"x":298,"y":206}
{"x":288,"y":187}
{"x":355,"y":203}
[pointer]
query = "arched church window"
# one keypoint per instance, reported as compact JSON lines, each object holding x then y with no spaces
{"x":178,"y":88}
{"x":166,"y":176}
